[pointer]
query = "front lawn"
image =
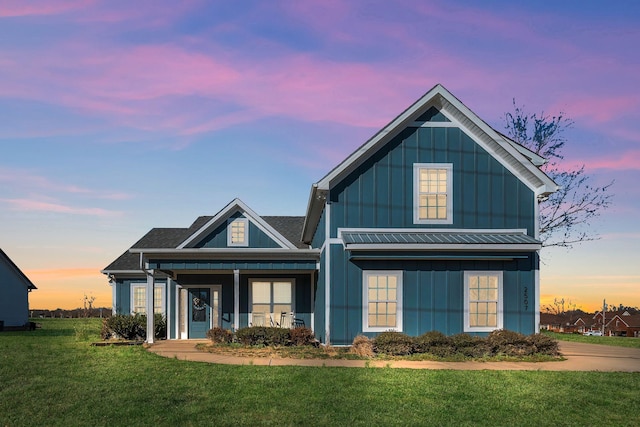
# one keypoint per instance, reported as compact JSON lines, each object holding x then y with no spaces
{"x":53,"y":376}
{"x":614,"y":341}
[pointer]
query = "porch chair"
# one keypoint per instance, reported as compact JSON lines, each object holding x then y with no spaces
{"x":285,"y":320}
{"x":258,"y":319}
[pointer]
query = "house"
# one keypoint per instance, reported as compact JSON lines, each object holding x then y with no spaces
{"x":432,"y":224}
{"x":14,"y":295}
{"x":621,"y":323}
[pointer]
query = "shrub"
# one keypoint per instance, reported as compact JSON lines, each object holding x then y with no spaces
{"x":362,"y":346}
{"x":219,"y":335}
{"x":125,"y":326}
{"x":302,"y":336}
{"x":263,"y":336}
{"x":393,"y":343}
{"x":434,"y":342}
{"x":509,"y":343}
{"x":470,"y":346}
{"x":544,"y":344}
{"x":132,"y":327}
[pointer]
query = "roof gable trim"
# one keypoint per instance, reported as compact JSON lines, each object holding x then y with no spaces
{"x":236,"y":205}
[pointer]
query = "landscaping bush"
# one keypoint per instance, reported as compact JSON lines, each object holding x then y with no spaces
{"x":219,"y":335}
{"x":362,"y":346}
{"x":302,"y":336}
{"x":434,"y":342}
{"x":544,"y":344}
{"x":509,"y":343}
{"x":470,"y":346}
{"x":125,"y":326}
{"x":132,"y":327}
{"x":393,"y":343}
{"x":263,"y":336}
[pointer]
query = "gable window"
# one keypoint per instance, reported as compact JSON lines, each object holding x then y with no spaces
{"x":269,"y":299}
{"x":139,"y":299}
{"x":238,"y":232}
{"x":433,"y":200}
{"x":382,"y":301}
{"x":483,"y":301}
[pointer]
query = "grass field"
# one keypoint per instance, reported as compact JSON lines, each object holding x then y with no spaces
{"x":54,"y":377}
{"x":614,"y":341}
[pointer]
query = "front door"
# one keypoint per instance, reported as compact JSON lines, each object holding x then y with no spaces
{"x":199,"y":312}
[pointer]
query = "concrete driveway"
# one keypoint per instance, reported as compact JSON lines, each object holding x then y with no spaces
{"x":579,"y":357}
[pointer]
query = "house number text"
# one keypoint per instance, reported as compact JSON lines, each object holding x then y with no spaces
{"x":526,"y":298}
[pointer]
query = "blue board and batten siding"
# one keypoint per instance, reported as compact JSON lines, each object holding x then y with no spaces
{"x":380,"y":194}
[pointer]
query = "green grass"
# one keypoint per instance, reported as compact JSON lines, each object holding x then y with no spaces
{"x":613,"y":341}
{"x":54,"y":377}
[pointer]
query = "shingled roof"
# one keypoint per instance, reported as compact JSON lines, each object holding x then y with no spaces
{"x":160,"y":238}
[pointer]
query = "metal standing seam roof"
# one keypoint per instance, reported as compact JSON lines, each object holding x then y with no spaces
{"x":436,"y":238}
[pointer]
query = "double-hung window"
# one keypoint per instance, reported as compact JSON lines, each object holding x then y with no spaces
{"x":433,"y":199}
{"x":238,"y":232}
{"x":483,"y":301}
{"x":269,"y":299}
{"x":382,"y":301}
{"x":139,"y":298}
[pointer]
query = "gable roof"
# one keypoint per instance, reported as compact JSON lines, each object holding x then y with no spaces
{"x":237,"y":205}
{"x":288,"y":228}
{"x":522,"y":162}
{"x":23,"y":278}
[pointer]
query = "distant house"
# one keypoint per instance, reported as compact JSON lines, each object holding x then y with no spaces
{"x":623,"y":324}
{"x":432,"y":224}
{"x":14,"y":294}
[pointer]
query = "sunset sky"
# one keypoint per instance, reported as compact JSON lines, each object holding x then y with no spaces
{"x":120,"y":116}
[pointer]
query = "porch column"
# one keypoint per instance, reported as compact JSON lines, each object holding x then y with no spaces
{"x":236,"y":299}
{"x":149,"y":296}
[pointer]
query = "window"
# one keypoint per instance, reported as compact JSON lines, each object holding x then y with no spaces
{"x":433,"y":202}
{"x":483,"y":301}
{"x":238,"y":232}
{"x":382,"y":301}
{"x":269,"y":299}
{"x":139,"y":298}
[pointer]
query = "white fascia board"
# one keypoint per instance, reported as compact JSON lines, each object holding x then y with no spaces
{"x":122,"y":272}
{"x":223,"y":215}
{"x":441,"y":98}
{"x":407,"y":117}
{"x":229,"y":253}
{"x":456,"y":108}
{"x":315,"y":207}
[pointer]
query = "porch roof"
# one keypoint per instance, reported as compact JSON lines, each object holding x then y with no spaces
{"x":467,"y":240}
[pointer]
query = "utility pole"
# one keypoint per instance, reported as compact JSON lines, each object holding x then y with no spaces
{"x":604,"y":310}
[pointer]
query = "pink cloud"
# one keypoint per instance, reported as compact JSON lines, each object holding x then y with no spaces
{"x":35,"y":205}
{"x":600,"y":109}
{"x":629,"y":160}
{"x":25,"y":180}
{"x":13,"y":8}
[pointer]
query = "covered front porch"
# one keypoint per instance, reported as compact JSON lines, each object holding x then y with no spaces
{"x":210,"y":289}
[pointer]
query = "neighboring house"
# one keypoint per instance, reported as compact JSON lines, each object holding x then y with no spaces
{"x":14,"y":295}
{"x":432,"y":224}
{"x":623,"y":324}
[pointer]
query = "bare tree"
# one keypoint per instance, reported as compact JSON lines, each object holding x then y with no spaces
{"x":566,"y":215}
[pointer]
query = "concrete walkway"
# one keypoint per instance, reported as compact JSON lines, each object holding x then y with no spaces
{"x":579,"y":357}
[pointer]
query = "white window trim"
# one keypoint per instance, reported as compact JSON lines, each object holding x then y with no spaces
{"x":161,"y":285}
{"x":365,"y":300}
{"x":245,"y":221}
{"x":416,"y":192}
{"x":500,"y":313}
{"x":270,"y":280}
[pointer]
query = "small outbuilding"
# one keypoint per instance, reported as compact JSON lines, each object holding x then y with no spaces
{"x":14,"y":295}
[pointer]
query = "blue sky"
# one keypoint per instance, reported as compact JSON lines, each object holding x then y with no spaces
{"x":116,"y":117}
